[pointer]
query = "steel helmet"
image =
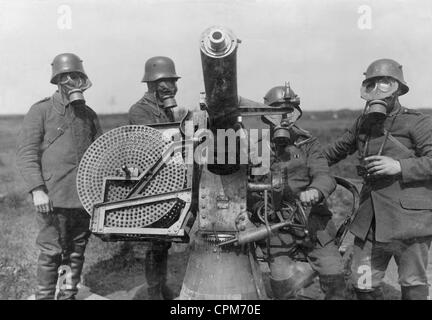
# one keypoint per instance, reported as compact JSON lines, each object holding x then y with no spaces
{"x":281,"y":94}
{"x":66,"y":62}
{"x":159,"y":68}
{"x":387,"y":68}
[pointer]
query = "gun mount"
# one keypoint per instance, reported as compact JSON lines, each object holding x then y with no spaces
{"x":217,"y":271}
{"x":138,"y":183}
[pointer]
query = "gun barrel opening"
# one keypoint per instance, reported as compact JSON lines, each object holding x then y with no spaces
{"x":217,"y":40}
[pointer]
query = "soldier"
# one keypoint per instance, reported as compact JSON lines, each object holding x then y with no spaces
{"x":156,"y":107}
{"x":297,"y":155}
{"x":157,"y":103}
{"x":55,"y":134}
{"x":394,"y":144}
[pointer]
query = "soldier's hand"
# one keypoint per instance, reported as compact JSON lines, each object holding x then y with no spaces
{"x":310,"y":197}
{"x":383,"y":166}
{"x":41,"y":201}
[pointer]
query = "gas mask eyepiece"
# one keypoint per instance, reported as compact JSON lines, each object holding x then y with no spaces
{"x":380,"y":88}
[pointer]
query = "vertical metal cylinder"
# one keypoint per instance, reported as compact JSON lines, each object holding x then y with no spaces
{"x":220,"y":273}
{"x":219,"y":63}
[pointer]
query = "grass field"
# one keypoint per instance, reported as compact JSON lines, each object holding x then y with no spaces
{"x":110,"y":270}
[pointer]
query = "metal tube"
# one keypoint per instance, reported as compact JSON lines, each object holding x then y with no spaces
{"x":255,"y":234}
{"x":254,"y":186}
{"x":219,"y":63}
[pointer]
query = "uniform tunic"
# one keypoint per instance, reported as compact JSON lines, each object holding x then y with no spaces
{"x":53,"y":139}
{"x":147,"y":111}
{"x":304,"y":167}
{"x":49,"y":159}
{"x":400,"y":205}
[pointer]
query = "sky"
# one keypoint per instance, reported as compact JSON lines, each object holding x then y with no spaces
{"x":321,"y":47}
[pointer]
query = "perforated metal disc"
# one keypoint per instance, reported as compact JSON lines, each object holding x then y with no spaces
{"x":135,"y":147}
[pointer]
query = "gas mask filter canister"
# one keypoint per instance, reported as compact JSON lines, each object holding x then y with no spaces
{"x":281,"y":133}
{"x":166,"y":92}
{"x":169,"y":102}
{"x":281,"y":125}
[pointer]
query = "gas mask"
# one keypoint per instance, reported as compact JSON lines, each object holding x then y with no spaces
{"x":281,"y":133}
{"x":72,"y":85}
{"x":281,"y":125}
{"x":380,"y":94}
{"x":166,"y":89}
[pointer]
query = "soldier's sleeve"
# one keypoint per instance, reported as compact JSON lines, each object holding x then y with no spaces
{"x":342,"y":147}
{"x":131,"y":116}
{"x":319,"y":170}
{"x":419,"y":168}
{"x":98,"y":127}
{"x":28,"y":149}
{"x":138,"y":116}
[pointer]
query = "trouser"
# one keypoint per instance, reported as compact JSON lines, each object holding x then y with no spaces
{"x":156,"y":269}
{"x":62,"y":239}
{"x":288,"y":276}
{"x":371,"y":259}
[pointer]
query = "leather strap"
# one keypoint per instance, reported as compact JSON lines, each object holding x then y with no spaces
{"x":54,"y":135}
{"x":390,"y":137}
{"x":400,"y":145}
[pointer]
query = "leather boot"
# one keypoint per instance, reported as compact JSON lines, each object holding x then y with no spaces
{"x":167,"y":293}
{"x":334,"y":286}
{"x":289,"y":277}
{"x":156,"y":264}
{"x":283,"y":289}
{"x":47,"y":276}
{"x":375,"y":294}
{"x":70,"y":288}
{"x":153,"y":274}
{"x":420,"y":292}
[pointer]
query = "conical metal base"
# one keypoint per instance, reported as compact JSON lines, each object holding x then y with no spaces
{"x":216,"y":274}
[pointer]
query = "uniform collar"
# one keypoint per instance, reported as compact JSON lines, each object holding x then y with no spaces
{"x":396,"y":110}
{"x":150,"y":100}
{"x":58,"y":104}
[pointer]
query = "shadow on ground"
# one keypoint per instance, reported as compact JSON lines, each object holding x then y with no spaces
{"x":122,"y":277}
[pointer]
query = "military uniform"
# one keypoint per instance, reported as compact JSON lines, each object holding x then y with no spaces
{"x":144,"y":112}
{"x":395,"y":214}
{"x":52,"y":141}
{"x":304,"y":167}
